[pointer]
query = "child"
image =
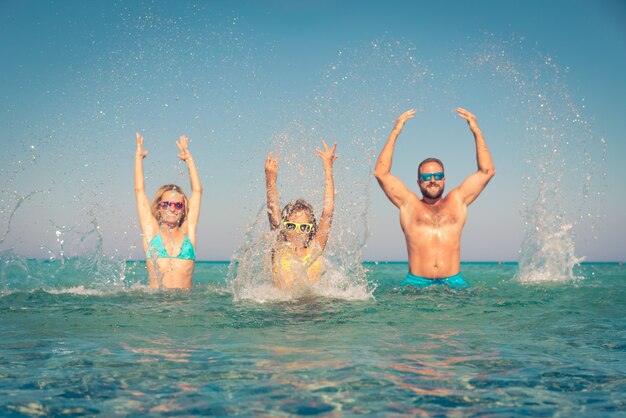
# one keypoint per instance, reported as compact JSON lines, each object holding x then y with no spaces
{"x":301,"y":240}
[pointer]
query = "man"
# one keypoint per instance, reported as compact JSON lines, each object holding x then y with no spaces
{"x":432,"y":226}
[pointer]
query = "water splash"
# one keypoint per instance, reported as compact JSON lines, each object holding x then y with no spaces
{"x":91,"y":269}
{"x":562,"y":154}
{"x":351,"y":106}
{"x":19,"y":200}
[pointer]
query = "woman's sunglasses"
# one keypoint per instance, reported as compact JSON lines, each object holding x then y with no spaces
{"x":164,"y":204}
{"x":296,"y":227}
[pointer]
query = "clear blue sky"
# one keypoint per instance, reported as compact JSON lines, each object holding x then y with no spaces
{"x":79,"y":78}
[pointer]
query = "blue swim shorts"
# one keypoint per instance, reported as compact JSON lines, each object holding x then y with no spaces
{"x":453,"y":281}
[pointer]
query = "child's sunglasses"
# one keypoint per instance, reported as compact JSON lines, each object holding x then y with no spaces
{"x":296,"y":227}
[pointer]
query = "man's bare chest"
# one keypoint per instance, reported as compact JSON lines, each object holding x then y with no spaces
{"x":432,"y":217}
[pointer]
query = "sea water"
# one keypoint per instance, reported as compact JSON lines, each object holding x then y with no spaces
{"x":500,"y":348}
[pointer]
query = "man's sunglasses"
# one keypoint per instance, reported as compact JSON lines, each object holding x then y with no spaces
{"x":427,"y":176}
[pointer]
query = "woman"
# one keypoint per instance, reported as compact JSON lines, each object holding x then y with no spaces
{"x":168,"y":225}
{"x":296,"y":256}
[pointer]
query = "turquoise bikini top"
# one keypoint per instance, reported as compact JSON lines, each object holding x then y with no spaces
{"x":186,"y":249}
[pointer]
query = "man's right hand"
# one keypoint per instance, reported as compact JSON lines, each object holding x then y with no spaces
{"x":404,"y":117}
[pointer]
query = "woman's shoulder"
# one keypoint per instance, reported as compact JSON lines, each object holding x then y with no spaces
{"x":151,"y":231}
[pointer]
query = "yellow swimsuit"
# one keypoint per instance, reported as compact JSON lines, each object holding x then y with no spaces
{"x":287,"y":266}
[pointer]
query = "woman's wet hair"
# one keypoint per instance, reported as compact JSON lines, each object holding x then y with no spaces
{"x":159,"y":196}
{"x":299,"y":205}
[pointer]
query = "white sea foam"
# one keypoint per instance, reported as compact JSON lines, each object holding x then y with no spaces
{"x":332,"y":285}
{"x":86,"y":291}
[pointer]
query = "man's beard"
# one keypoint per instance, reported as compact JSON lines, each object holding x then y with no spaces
{"x":432,"y":193}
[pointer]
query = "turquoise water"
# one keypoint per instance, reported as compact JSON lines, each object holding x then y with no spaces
{"x":84,"y":346}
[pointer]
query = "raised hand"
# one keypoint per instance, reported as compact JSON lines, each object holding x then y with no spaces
{"x":140,"y":151}
{"x":328,"y":154}
{"x":469,"y":117}
{"x":271,"y":165}
{"x":409,"y":114}
{"x":273,"y":205}
{"x":182,"y":144}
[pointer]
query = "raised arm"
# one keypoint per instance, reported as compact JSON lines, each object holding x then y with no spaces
{"x":191,"y":222}
{"x":147,"y":222}
{"x":476,"y":182}
{"x":273,"y":206}
{"x":323,"y":229}
{"x":393,"y":187}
